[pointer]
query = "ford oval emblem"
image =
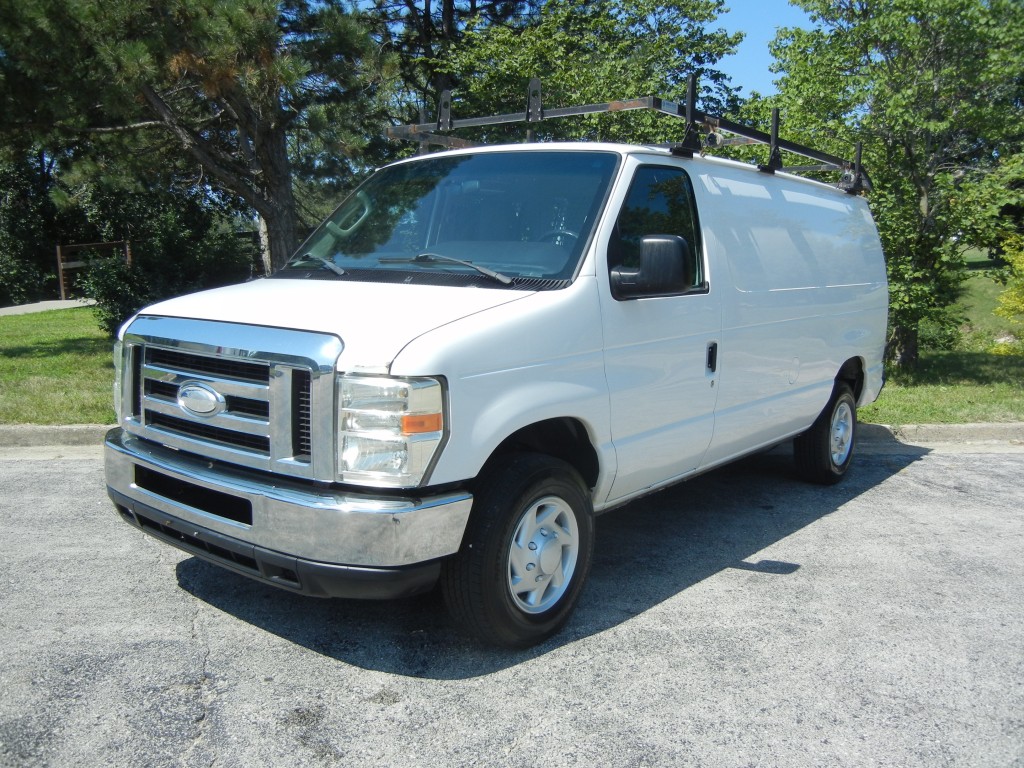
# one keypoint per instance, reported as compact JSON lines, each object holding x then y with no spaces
{"x":199,"y":399}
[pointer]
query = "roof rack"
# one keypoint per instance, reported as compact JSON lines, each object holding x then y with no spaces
{"x":703,"y":132}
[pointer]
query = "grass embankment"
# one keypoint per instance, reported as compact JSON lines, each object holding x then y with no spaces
{"x":57,"y":368}
{"x":953,"y":388}
{"x":981,"y":381}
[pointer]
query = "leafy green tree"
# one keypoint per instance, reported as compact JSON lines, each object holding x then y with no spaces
{"x":182,"y":248}
{"x":230,"y":82}
{"x":27,"y":223}
{"x":1011,"y":301}
{"x":180,"y":240}
{"x":997,"y":204}
{"x":589,"y":51}
{"x":424,"y":34}
{"x":934,"y":89}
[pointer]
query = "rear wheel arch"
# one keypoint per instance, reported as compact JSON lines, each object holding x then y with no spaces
{"x":851,"y":373}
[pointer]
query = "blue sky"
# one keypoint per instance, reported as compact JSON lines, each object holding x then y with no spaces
{"x":760,"y":19}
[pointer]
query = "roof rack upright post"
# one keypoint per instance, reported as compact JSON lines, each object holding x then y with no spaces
{"x":774,"y":155}
{"x":691,"y":139}
{"x":424,"y":145}
{"x":444,"y":111}
{"x":853,"y":179}
{"x":534,"y":108}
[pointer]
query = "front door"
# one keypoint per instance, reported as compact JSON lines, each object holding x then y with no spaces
{"x":660,"y":350}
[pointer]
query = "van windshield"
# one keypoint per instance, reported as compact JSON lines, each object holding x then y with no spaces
{"x":491,"y":218}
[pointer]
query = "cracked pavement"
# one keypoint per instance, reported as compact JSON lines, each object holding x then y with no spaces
{"x":742,"y":618}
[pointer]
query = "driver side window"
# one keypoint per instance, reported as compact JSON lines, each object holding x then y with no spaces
{"x":659,"y":202}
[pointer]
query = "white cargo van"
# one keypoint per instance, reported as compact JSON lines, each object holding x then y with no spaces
{"x":483,"y":348}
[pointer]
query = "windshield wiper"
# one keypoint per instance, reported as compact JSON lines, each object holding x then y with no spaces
{"x":437,"y":258}
{"x":326,"y":263}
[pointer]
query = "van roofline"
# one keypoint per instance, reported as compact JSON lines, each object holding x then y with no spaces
{"x":653,"y":151}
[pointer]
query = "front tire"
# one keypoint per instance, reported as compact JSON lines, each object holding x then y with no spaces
{"x":525,"y":554}
{"x":823,"y":453}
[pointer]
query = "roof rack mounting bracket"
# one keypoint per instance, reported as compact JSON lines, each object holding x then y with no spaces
{"x":854,"y":179}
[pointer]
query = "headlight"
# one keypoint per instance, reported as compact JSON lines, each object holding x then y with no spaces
{"x":389,"y":429}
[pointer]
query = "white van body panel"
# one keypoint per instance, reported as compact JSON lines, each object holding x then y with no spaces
{"x":513,"y":366}
{"x":803,"y":287}
{"x":661,"y":394}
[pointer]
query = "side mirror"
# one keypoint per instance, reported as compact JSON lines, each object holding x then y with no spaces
{"x":664,"y":267}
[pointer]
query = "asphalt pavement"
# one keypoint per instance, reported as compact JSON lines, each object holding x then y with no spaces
{"x":741,"y":619}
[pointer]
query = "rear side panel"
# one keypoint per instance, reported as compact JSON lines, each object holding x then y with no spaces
{"x":807,"y":292}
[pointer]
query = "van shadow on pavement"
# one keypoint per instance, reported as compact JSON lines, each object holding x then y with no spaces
{"x":646,"y":553}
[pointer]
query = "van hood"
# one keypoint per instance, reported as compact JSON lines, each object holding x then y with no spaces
{"x":373,"y":320}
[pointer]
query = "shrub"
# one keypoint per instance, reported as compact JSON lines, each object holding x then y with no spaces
{"x":20,"y":282}
{"x":161,"y":268}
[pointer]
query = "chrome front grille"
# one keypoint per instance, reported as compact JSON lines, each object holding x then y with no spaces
{"x":266,"y":394}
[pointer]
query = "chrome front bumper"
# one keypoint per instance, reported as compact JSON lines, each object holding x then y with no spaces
{"x":290,"y":533}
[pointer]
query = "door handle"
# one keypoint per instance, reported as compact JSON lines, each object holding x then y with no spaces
{"x":713,"y":356}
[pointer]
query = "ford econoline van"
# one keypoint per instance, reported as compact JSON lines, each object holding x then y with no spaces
{"x":482,"y":349}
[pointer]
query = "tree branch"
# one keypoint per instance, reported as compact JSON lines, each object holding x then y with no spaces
{"x":125,"y":128}
{"x":214,"y":160}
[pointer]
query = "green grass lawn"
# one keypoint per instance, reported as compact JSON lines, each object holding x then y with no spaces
{"x":953,"y":388}
{"x":57,"y":368}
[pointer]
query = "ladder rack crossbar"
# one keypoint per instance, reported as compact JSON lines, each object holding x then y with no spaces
{"x":698,"y":121}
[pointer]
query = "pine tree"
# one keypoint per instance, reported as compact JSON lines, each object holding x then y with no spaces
{"x":233,"y":83}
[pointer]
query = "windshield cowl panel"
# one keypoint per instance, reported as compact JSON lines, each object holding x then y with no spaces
{"x":503,"y":219}
{"x":405,"y":275}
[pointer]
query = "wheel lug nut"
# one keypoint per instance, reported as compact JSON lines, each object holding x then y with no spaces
{"x":530,"y":566}
{"x":533,"y":545}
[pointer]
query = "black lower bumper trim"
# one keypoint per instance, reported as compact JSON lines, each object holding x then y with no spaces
{"x":307,"y":577}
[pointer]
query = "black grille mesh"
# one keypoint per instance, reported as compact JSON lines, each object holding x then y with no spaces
{"x":257,"y":443}
{"x":302,"y":435}
{"x":185,"y":362}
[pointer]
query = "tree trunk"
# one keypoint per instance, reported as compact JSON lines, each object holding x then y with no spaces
{"x":276,"y":207}
{"x":281,"y":239}
{"x":265,"y":258}
{"x":902,"y":349}
{"x":264,"y":180}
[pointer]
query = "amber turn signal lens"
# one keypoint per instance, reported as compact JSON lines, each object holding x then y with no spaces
{"x":416,"y":424}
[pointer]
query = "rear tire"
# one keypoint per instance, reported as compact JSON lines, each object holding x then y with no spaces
{"x":525,"y":554}
{"x":823,"y":453}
